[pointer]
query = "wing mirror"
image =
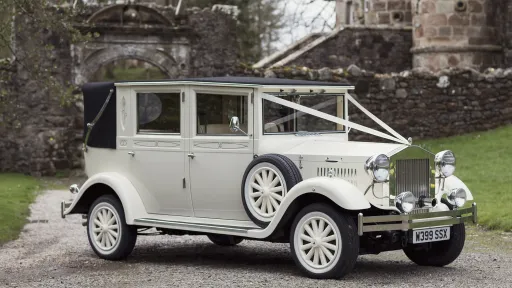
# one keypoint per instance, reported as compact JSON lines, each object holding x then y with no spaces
{"x":234,"y":125}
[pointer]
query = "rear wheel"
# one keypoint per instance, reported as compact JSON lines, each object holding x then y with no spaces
{"x":225,"y":240}
{"x":438,"y":253}
{"x":324,"y":242}
{"x":109,"y":235}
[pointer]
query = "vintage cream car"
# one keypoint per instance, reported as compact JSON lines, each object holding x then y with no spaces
{"x":239,"y":158}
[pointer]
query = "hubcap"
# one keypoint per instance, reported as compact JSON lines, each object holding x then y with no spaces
{"x":105,"y":228}
{"x":317,"y":242}
{"x":266,"y":191}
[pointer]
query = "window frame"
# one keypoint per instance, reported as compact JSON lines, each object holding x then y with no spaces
{"x":241,"y":92}
{"x":156,"y":90}
{"x":277,"y":94}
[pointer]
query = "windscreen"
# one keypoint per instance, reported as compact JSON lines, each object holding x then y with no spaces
{"x":282,"y":119}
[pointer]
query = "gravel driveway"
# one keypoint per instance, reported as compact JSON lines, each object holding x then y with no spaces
{"x":54,"y":252}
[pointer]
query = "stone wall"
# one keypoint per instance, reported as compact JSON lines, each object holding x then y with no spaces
{"x":214,"y":47}
{"x":389,"y":12}
{"x":383,"y":50}
{"x":418,"y":103}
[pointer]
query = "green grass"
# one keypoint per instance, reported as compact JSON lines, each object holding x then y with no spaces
{"x":17,"y":192}
{"x":484,"y":163}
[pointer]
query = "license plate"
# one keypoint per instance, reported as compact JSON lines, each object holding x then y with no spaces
{"x":431,"y":235}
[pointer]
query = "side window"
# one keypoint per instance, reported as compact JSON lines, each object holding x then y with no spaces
{"x":214,"y":112}
{"x":158,"y":113}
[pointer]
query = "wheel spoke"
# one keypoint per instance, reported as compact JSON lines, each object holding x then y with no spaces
{"x":276,"y":196}
{"x":256,"y":186}
{"x":270,"y":209}
{"x":113,"y":241}
{"x":97,"y":238}
{"x":97,"y":222}
{"x":270,"y":177}
{"x":276,"y":189}
{"x":309,"y":230}
{"x":258,"y":202}
{"x":306,"y":238}
{"x":103,"y":239}
{"x":112,"y":220}
{"x":274,"y":203}
{"x":275,"y":182}
{"x":264,"y":176}
{"x":107,"y":241}
{"x":306,"y":246}
{"x":310,"y":254}
{"x":315,"y":257}
{"x":329,"y":246}
{"x":264,"y":205}
{"x":329,"y":238}
{"x":323,"y":261}
{"x":113,"y":227}
{"x":114,"y":234}
{"x":314,"y":224}
{"x":255,"y":194}
{"x":96,"y":230}
{"x":327,"y":230}
{"x":258,"y":178}
{"x":327,"y":253}
{"x":321,"y":225}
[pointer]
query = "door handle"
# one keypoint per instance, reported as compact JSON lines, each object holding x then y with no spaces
{"x":191,"y":155}
{"x":131,"y":153}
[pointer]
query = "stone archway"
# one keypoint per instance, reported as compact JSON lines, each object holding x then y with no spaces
{"x":132,"y":32}
{"x":96,"y":60}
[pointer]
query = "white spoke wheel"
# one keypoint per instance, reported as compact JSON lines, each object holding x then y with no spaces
{"x":109,"y":236}
{"x":324,"y":241}
{"x":266,"y":181}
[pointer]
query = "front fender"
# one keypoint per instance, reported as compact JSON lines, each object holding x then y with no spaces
{"x":453,"y":182}
{"x":340,"y":191}
{"x":130,"y":199}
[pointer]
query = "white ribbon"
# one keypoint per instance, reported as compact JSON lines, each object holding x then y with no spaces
{"x":398,"y":138}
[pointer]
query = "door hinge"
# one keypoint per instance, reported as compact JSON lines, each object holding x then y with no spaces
{"x":182,"y":96}
{"x":184,"y":183}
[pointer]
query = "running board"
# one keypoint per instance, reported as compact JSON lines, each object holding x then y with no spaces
{"x":196,"y":227}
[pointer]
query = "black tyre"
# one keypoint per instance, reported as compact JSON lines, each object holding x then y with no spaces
{"x":109,"y":235}
{"x":266,"y":181}
{"x":324,"y":242}
{"x":225,"y":240}
{"x":439,"y":253}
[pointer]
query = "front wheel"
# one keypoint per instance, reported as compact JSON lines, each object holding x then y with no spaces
{"x":324,"y":242}
{"x":109,"y":235}
{"x":439,"y":253}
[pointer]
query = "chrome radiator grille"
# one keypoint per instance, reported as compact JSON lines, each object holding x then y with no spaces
{"x":413,"y":175}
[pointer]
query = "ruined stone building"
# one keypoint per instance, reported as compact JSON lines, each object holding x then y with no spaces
{"x":396,"y":52}
{"x":396,"y":35}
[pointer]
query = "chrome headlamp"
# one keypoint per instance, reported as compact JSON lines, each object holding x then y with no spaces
{"x":405,"y":202}
{"x":445,"y":163}
{"x":457,"y":197}
{"x":378,"y":167}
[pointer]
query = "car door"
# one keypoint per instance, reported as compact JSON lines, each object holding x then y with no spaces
{"x":158,"y":150}
{"x":218,"y":157}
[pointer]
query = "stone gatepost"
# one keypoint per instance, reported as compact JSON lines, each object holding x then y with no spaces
{"x":456,"y":33}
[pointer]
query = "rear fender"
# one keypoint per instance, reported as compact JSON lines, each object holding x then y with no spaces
{"x":125,"y":191}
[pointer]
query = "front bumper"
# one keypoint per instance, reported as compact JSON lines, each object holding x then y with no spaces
{"x":63,"y":206}
{"x":407,"y":222}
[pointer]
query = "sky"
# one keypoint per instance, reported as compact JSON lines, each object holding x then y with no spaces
{"x":305,"y":17}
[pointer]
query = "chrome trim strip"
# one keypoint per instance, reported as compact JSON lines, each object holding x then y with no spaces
{"x":193,"y":226}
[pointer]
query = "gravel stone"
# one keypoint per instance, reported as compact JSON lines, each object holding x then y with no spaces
{"x":54,"y":252}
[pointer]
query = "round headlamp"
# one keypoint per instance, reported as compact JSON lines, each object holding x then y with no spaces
{"x":457,"y":197}
{"x":378,"y":167}
{"x":405,"y":202}
{"x":445,"y":163}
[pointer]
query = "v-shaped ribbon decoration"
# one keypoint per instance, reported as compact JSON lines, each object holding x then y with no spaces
{"x":396,"y":137}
